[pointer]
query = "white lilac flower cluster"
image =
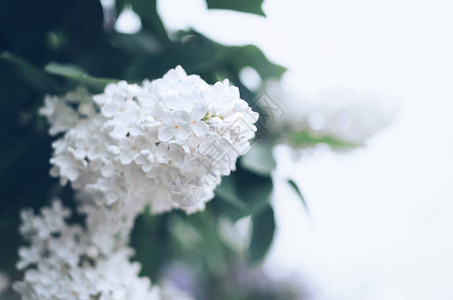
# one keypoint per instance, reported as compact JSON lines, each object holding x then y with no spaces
{"x":121,"y":150}
{"x":132,"y":140}
{"x":64,"y":263}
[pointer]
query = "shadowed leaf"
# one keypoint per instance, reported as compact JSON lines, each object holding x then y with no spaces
{"x":34,"y":75}
{"x":259,"y":159}
{"x":252,"y":56}
{"x":248,"y":6}
{"x":262,"y":234}
{"x":76,"y":74}
{"x":295,"y":187}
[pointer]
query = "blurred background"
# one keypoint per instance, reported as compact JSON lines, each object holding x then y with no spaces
{"x":379,"y":217}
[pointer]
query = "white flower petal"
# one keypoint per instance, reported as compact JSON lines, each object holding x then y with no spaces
{"x":184,"y":132}
{"x":182,"y":117}
{"x":166,"y":133}
{"x":201,"y":128}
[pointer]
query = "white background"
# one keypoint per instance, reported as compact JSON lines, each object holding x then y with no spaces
{"x":381,"y":217}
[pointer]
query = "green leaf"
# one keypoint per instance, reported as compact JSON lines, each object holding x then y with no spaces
{"x":227,"y":191}
{"x":259,"y":159}
{"x":252,"y":56}
{"x":253,"y":189}
{"x":243,"y":193}
{"x":212,"y":247}
{"x":262,"y":234}
{"x":77,"y":74}
{"x":66,"y":70}
{"x":34,"y":75}
{"x":294,"y":185}
{"x":147,"y":10}
{"x":248,"y":6}
{"x":307,"y":139}
{"x":150,"y":240}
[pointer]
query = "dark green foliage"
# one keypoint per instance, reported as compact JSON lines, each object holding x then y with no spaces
{"x":296,"y":188}
{"x":74,"y":73}
{"x":262,"y":235}
{"x":249,"y":6}
{"x":242,"y":193}
{"x":259,"y":159}
{"x":150,"y":238}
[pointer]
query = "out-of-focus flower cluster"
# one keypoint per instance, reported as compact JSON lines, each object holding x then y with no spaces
{"x":64,"y":261}
{"x":122,"y":150}
{"x":348,"y":116}
{"x":65,"y":264}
